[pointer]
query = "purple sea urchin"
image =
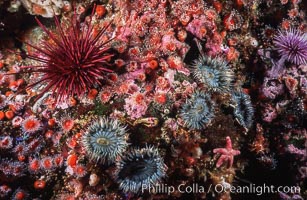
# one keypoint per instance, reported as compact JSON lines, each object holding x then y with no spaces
{"x":292,"y":46}
{"x":105,"y":140}
{"x":73,"y":62}
{"x":213,"y":73}
{"x":198,"y":111}
{"x":140,"y":168}
{"x":243,"y":109}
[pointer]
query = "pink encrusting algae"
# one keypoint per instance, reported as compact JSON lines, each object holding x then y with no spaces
{"x":117,"y":99}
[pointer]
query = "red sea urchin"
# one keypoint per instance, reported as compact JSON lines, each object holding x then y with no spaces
{"x":73,"y":62}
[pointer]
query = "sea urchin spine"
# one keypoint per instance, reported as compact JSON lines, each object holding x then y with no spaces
{"x":73,"y":63}
{"x":292,"y":46}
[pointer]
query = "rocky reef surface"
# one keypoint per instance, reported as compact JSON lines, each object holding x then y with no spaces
{"x":153,"y":99}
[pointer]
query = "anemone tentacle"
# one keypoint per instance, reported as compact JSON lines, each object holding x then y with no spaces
{"x":140,"y":168}
{"x":198,"y":111}
{"x":213,"y":73}
{"x":243,"y":111}
{"x":105,"y":140}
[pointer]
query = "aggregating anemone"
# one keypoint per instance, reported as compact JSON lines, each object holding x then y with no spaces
{"x":105,"y":140}
{"x":213,"y":73}
{"x":243,"y":109}
{"x":140,"y":167}
{"x":198,"y":111}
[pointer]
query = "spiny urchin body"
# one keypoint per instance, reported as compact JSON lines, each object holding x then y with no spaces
{"x":198,"y":111}
{"x":105,"y":140}
{"x":74,"y":62}
{"x":140,"y":168}
{"x":292,"y":46}
{"x":213,"y":73}
{"x":243,"y":109}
